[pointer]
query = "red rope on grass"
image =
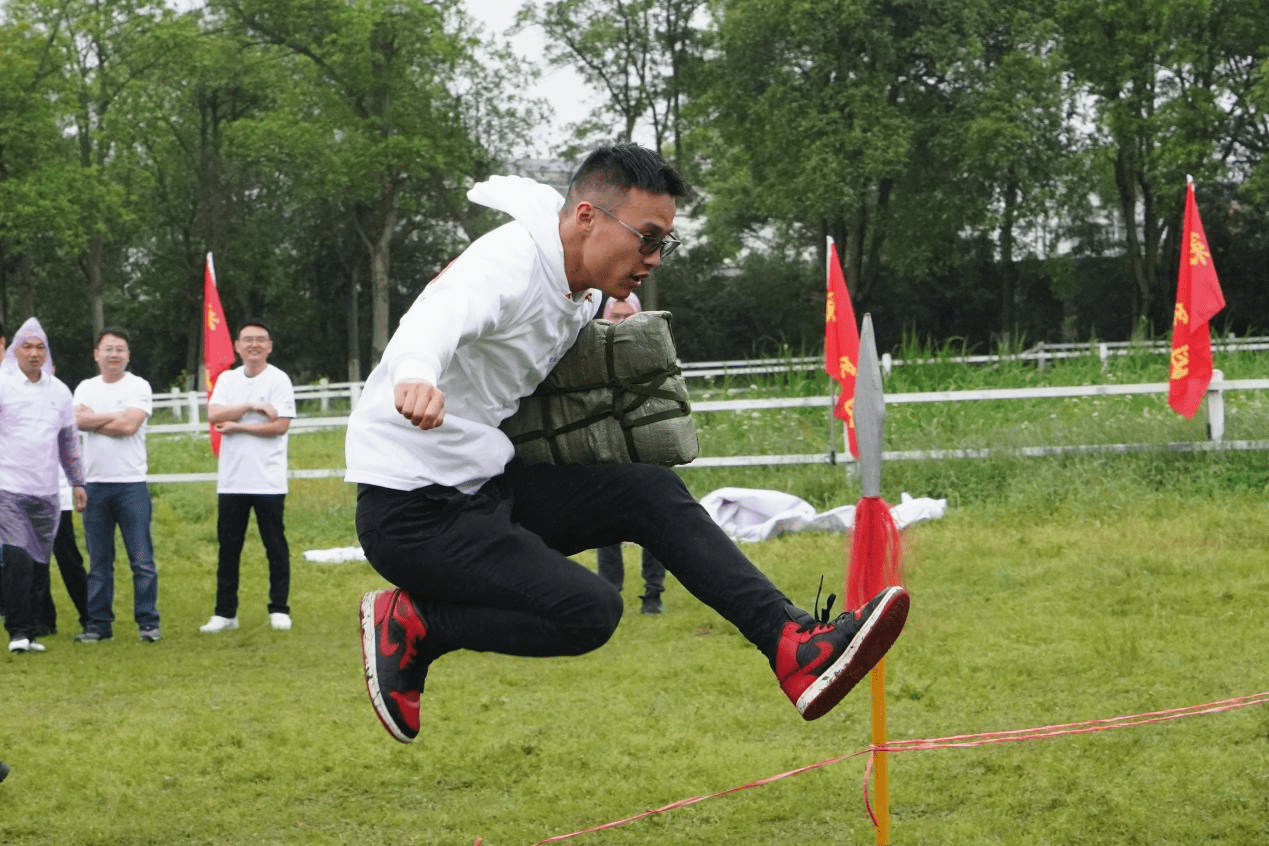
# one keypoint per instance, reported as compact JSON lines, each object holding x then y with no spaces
{"x":960,"y":741}
{"x":969,"y":741}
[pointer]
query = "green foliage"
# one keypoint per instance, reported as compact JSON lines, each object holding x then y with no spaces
{"x":975,"y":162}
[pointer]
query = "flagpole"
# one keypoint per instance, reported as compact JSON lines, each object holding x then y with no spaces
{"x":881,"y":763}
{"x":872,"y":547}
{"x":834,"y":387}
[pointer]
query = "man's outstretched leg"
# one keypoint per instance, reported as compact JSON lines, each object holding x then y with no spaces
{"x":817,"y":661}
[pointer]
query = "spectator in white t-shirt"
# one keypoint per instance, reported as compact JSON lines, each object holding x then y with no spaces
{"x":111,"y":409}
{"x":252,"y":407}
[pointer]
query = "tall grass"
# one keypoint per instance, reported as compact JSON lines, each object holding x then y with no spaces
{"x":1055,"y":590}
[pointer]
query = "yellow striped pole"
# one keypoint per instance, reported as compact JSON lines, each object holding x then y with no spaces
{"x":881,"y":766}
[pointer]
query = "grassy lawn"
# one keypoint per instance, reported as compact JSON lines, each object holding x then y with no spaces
{"x":1054,"y":591}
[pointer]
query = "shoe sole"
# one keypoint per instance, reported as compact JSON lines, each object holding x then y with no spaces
{"x":369,"y":661}
{"x":871,"y":642}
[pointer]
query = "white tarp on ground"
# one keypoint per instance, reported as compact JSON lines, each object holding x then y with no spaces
{"x":334,"y":556}
{"x":747,"y":515}
{"x":751,"y":514}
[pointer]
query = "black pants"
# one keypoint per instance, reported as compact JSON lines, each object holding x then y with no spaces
{"x":18,"y":574}
{"x":233,"y":511}
{"x":70,"y":563}
{"x":489,"y":573}
{"x":611,"y":565}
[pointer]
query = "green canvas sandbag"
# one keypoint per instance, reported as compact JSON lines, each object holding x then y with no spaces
{"x":616,"y":396}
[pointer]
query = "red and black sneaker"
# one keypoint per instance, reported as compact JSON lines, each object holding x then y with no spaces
{"x":818,"y":662}
{"x":391,"y":633}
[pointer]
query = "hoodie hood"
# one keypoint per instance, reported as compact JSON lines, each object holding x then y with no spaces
{"x":534,"y":206}
{"x":30,"y":329}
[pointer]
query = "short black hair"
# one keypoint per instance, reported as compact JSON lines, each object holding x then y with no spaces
{"x":2,"y":334}
{"x":259,"y":323}
{"x":622,"y":167}
{"x":117,"y":331}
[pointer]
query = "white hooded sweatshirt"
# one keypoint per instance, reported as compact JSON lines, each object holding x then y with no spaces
{"x":486,"y":332}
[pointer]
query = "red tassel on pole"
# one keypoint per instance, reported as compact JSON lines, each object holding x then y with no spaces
{"x":876,"y":552}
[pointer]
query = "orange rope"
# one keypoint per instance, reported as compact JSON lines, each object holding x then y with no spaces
{"x":962,"y":741}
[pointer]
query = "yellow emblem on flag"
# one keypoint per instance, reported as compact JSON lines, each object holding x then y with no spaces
{"x":830,"y":313}
{"x":1198,"y":250}
{"x":849,"y":408}
{"x":213,"y":320}
{"x":1180,"y":317}
{"x":845,"y":367}
{"x":1180,"y":363}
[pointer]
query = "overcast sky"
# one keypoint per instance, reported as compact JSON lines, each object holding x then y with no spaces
{"x":563,"y":89}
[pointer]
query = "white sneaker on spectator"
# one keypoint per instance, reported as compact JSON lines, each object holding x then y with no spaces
{"x":281,"y":622}
{"x":219,"y":624}
{"x":23,"y":644}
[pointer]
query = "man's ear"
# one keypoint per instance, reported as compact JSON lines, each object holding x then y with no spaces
{"x":584,"y":213}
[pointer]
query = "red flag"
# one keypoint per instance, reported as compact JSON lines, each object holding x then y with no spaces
{"x":841,"y":344}
{"x":218,"y":350}
{"x":1198,"y":298}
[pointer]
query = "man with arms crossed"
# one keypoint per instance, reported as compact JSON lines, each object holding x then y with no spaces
{"x":475,"y":542}
{"x":252,"y":406}
{"x":111,"y":409}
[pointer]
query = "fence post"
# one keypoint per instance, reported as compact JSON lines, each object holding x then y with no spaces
{"x":1103,"y":352}
{"x":1216,"y":407}
{"x":324,"y":402}
{"x":354,"y":394}
{"x":887,"y":364}
{"x":191,"y":399}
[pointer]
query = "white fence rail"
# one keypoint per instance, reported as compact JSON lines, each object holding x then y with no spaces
{"x":1215,"y":406}
{"x":191,"y":405}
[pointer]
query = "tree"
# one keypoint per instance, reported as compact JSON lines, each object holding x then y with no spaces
{"x":378,"y":113}
{"x":636,"y":53}
{"x":38,"y":173}
{"x":100,"y":48}
{"x":1017,"y":141}
{"x":1169,"y":83}
{"x":836,"y":119}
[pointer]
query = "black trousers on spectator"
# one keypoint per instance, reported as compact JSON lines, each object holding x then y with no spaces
{"x":18,"y":574}
{"x":70,"y":563}
{"x":233,"y":511}
{"x":612,"y":567}
{"x":489,"y":570}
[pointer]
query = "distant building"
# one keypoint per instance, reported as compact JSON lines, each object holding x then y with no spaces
{"x":552,"y":172}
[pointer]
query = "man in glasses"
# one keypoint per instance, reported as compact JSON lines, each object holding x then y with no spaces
{"x":252,"y":407}
{"x":475,"y":542}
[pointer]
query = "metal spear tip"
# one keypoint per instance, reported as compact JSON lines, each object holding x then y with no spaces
{"x":870,"y":411}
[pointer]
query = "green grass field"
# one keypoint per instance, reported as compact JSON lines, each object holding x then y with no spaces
{"x":1054,"y":591}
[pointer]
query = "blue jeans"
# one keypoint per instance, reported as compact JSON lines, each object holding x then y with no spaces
{"x":126,"y":505}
